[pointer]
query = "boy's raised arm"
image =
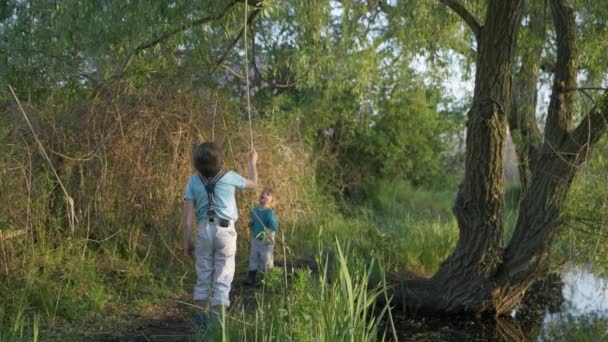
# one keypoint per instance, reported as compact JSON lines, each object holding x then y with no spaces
{"x":252,"y":181}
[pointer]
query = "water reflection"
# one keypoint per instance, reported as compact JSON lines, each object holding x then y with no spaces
{"x":584,"y":312}
{"x":572,"y":306}
{"x":584,"y":292}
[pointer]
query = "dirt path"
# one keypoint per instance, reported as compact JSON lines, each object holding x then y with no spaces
{"x":168,"y":321}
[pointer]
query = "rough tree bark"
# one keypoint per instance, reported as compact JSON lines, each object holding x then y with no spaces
{"x":480,"y":276}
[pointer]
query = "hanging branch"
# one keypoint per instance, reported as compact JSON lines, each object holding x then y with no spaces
{"x":465,"y":15}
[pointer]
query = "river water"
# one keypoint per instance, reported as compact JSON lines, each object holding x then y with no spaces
{"x":572,"y":306}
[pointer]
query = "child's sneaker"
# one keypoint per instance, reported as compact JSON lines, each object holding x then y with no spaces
{"x":214,"y":327}
{"x":250,"y":281}
{"x":201,"y":320}
{"x":214,"y":318}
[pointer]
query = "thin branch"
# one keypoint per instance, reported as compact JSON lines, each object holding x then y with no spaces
{"x":232,"y":71}
{"x":465,"y":15}
{"x":591,"y":128}
{"x":584,"y":88}
{"x":232,"y":44}
{"x":88,"y":157}
{"x":587,"y":95}
{"x":561,"y":105}
{"x":586,"y":231}
{"x":154,"y":41}
{"x":584,"y":91}
{"x":547,"y":66}
{"x":586,"y":220}
{"x":220,"y":62}
{"x":259,"y":74}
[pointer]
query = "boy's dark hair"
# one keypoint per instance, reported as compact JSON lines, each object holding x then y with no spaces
{"x":267,"y":191}
{"x":207,"y":159}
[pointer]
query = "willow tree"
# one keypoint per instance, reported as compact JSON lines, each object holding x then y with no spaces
{"x":482,"y":275}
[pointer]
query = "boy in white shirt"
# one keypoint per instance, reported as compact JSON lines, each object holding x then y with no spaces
{"x":210,"y":193}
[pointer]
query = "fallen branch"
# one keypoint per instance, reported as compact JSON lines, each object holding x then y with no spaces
{"x":12,"y":234}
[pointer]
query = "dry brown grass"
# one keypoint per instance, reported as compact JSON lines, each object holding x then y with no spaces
{"x":125,"y":160}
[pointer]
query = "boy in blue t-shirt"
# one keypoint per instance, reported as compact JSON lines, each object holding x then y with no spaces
{"x":210,"y":194}
{"x":263,"y":227}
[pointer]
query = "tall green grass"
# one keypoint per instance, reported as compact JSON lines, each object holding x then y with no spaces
{"x":59,"y":288}
{"x":407,"y":229}
{"x":338,"y":304}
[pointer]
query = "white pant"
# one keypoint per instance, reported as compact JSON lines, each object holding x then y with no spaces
{"x":215,"y":250}
{"x":260,"y":256}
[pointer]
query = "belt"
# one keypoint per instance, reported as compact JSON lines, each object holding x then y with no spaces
{"x":222,"y":221}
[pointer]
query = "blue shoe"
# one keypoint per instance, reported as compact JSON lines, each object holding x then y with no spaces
{"x":201,"y":320}
{"x":214,"y":318}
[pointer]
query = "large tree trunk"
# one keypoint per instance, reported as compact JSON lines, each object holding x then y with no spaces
{"x":480,"y":276}
{"x":463,"y":283}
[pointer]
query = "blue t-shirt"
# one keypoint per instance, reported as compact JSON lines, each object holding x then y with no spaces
{"x":261,"y":218}
{"x":225,"y":200}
